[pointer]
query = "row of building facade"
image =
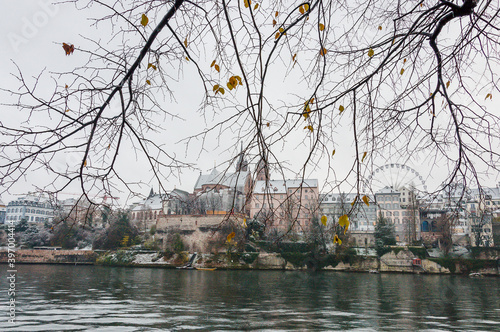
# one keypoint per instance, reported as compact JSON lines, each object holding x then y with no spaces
{"x":294,"y":204}
{"x":285,"y":205}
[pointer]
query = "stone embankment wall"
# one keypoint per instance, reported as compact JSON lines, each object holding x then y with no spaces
{"x":391,"y":262}
{"x":197,"y":231}
{"x":51,"y":256}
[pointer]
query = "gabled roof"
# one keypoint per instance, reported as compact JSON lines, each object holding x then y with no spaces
{"x":387,"y":190}
{"x":282,"y":186}
{"x":493,"y":192}
{"x":231,"y":180}
{"x":155,"y":201}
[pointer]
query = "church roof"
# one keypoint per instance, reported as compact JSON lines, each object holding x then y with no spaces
{"x":231,"y":180}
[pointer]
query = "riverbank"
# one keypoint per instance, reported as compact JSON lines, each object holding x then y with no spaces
{"x":45,"y":256}
{"x":397,"y":261}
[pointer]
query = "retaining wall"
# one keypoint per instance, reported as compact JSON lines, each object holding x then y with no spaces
{"x":51,"y":256}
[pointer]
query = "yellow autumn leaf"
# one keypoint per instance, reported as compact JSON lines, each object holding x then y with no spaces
{"x":323,"y":51}
{"x":150,"y":65}
{"x":186,"y":42}
{"x":274,"y":23}
{"x":344,"y":222}
{"x":311,"y":129}
{"x":301,"y":10}
{"x":306,"y":7}
{"x":371,"y":52}
{"x":244,"y":223}
{"x":144,"y":20}
{"x":380,"y":27}
{"x":277,"y":35}
{"x":404,"y":61}
{"x":66,"y":86}
{"x":276,"y":14}
{"x":148,"y":82}
{"x":489,"y":95}
{"x":67,"y":111}
{"x":230,"y":236}
{"x":212,"y":64}
{"x":336,"y":239}
{"x":324,"y":219}
{"x":85,"y":163}
{"x":366,"y":200}
{"x":187,"y":59}
{"x":321,"y":27}
{"x":364,"y":156}
{"x":256,"y":6}
{"x":333,"y":152}
{"x":307,"y":111}
{"x":217,"y":68}
{"x":268,"y":124}
{"x":448,"y":84}
{"x":109,"y":146}
{"x":247,"y":3}
{"x":341,"y":108}
{"x":216,"y":87}
{"x":221,"y":90}
{"x":402,"y":71}
{"x":355,"y":200}
{"x":229,"y":86}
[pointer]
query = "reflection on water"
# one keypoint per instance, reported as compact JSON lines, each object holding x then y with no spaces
{"x":74,"y":298}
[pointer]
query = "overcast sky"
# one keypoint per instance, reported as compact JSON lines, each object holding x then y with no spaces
{"x":33,"y":31}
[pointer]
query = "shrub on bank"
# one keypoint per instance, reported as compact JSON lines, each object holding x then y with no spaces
{"x":465,"y":265}
{"x":120,"y":257}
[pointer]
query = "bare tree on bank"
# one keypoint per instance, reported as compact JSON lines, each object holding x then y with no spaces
{"x":383,"y":80}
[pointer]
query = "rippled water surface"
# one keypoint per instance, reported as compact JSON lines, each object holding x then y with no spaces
{"x":74,"y":298}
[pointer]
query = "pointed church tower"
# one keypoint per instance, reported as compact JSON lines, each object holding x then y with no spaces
{"x":242,"y":165}
{"x":262,"y":170}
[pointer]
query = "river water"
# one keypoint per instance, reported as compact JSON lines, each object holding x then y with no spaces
{"x":97,"y":298}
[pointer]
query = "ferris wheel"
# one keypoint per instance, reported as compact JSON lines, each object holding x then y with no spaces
{"x":395,"y":176}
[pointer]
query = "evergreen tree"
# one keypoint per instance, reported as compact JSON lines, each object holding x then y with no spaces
{"x":385,"y":234}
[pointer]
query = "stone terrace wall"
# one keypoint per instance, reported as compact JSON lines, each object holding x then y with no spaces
{"x":196,"y":230}
{"x":191,"y":222}
{"x":51,"y":256}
